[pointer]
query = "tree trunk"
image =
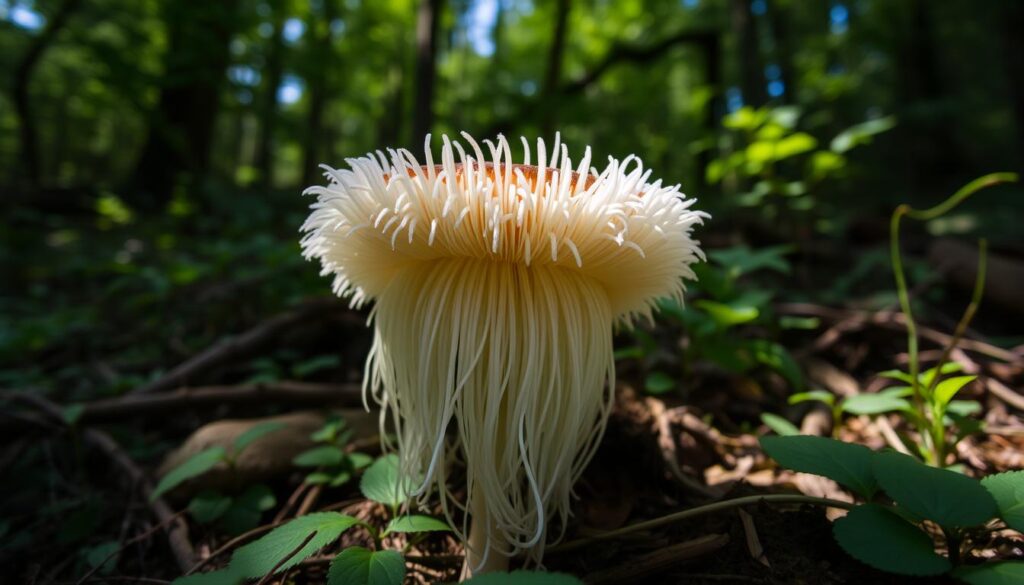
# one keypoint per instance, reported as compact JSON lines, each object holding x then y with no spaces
{"x":324,"y":57}
{"x":272,"y":76}
{"x":778,"y":20}
{"x":747,"y":44}
{"x":181,"y":126}
{"x":553,"y":73}
{"x":426,"y":67}
{"x":27,"y":135}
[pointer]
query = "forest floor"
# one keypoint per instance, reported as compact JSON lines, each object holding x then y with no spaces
{"x":78,"y":468}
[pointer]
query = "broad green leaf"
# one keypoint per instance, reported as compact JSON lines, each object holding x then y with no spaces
{"x":659,"y":383}
{"x":319,"y":477}
{"x":942,"y":496}
{"x":221,"y":577}
{"x":417,"y":523}
{"x":341,"y":479}
{"x":254,"y":433}
{"x":257,"y":558}
{"x":524,"y":578}
{"x":359,"y":566}
{"x":381,"y":482}
{"x":208,"y":506}
{"x":874,"y":404}
{"x":727,"y":315}
{"x":998,"y":573}
{"x":897,"y":391}
{"x":196,"y":465}
{"x":846,"y":463}
{"x":326,"y":455}
{"x":876,"y":536}
{"x":963,"y":408}
{"x":746,"y":118}
{"x":328,"y":432}
{"x":818,"y":395}
{"x":1008,"y":491}
{"x":948,"y":388}
{"x":778,"y":424}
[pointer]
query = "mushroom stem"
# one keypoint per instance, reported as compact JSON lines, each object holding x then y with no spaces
{"x":477,"y":547}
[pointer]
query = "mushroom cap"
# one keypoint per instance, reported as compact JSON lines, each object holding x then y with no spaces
{"x":384,"y":213}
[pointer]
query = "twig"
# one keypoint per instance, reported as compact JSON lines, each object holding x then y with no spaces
{"x":177,"y":532}
{"x":1004,"y":393}
{"x":128,"y":543}
{"x":700,"y":511}
{"x":658,"y":561}
{"x":234,"y":347}
{"x":284,"y":560}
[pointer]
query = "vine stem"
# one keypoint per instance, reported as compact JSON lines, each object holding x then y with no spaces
{"x":701,"y":511}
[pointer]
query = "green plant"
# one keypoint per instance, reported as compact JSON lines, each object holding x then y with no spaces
{"x":931,"y":396}
{"x":903,"y":498}
{"x":233,"y":514}
{"x":715,"y":321}
{"x":778,"y":168}
{"x":295,"y":541}
{"x":334,"y":464}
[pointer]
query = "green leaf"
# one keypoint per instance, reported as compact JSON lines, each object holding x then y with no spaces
{"x":524,"y":578}
{"x":876,"y":536}
{"x":316,"y":364}
{"x":221,"y":577}
{"x":257,"y":558}
{"x":359,"y":460}
{"x":778,"y":358}
{"x":897,"y":375}
{"x":846,"y":463}
{"x":659,"y":383}
{"x":861,"y":133}
{"x":381,"y":483}
{"x":727,"y":315}
{"x":948,"y":388}
{"x":195,"y":465}
{"x":341,"y":479}
{"x":103,"y":557}
{"x":319,"y":477}
{"x":925,"y":377}
{"x":359,"y":566}
{"x":778,"y":424}
{"x":998,"y":573}
{"x":255,"y":432}
{"x":818,"y":395}
{"x":794,"y":144}
{"x":740,"y":260}
{"x":71,"y":413}
{"x":874,"y":404}
{"x":417,"y":523}
{"x":208,"y":506}
{"x":328,"y":432}
{"x":1008,"y":491}
{"x":945,"y":497}
{"x":326,"y":455}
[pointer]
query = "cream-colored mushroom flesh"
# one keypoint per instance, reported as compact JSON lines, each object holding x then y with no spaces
{"x":495,"y":287}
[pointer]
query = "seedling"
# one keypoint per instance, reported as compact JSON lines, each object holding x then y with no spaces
{"x":334,"y":464}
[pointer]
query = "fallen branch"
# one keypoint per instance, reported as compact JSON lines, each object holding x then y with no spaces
{"x":291,"y":393}
{"x":233,"y":347}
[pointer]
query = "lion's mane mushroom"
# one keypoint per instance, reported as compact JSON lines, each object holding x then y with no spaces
{"x":496,"y":286}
